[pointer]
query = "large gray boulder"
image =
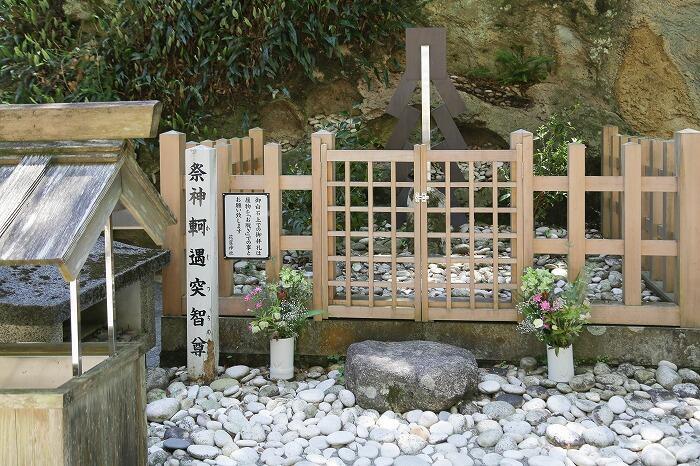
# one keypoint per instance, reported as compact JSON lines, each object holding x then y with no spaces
{"x":406,"y":375}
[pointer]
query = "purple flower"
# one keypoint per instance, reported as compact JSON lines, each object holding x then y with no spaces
{"x":545,"y":305}
{"x":537,"y":298}
{"x":246,"y":297}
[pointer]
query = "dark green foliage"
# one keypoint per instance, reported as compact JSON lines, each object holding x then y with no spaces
{"x":551,"y":158}
{"x":516,"y":68}
{"x":190,"y":54}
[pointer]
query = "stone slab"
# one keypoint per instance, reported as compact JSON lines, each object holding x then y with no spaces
{"x":38,"y":295}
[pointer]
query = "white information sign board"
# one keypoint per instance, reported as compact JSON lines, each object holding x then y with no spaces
{"x":202,"y":263}
{"x":246,"y":226}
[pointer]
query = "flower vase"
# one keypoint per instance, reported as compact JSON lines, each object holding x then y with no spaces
{"x":282,"y":358}
{"x":560,"y":364}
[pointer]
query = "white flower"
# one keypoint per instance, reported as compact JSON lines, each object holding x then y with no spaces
{"x":277,"y":316}
{"x":554,"y":327}
{"x":263,"y":324}
{"x":538,"y":323}
{"x":254,"y":328}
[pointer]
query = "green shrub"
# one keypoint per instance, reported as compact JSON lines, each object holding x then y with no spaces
{"x":190,"y":54}
{"x":551,"y":156}
{"x":516,"y":68}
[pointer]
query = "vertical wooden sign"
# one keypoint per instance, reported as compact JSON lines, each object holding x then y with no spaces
{"x":201,"y":254}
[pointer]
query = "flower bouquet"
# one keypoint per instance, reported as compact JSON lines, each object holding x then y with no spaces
{"x":555,"y":318}
{"x":281,"y":311}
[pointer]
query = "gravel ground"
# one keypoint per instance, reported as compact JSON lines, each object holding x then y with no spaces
{"x":607,"y":415}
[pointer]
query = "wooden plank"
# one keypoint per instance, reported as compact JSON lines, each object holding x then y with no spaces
{"x":172,"y":165}
{"x":616,"y":247}
{"x":660,"y":314}
{"x":656,"y":208}
{"x":142,"y":201}
{"x":80,"y":121}
{"x":421,"y":271}
{"x":295,"y":182}
{"x":257,"y":142}
{"x":528,"y":217}
{"x":550,"y":183}
{"x":616,"y":206}
{"x":318,"y":235}
{"x":646,"y":170}
{"x":606,"y":170}
{"x":367,"y":312}
{"x":687,"y":144}
{"x":94,"y":150}
{"x":52,"y":230}
{"x":272,"y":167}
{"x":247,"y":156}
{"x":484,"y":315}
{"x":472,"y":239}
{"x":15,"y":190}
{"x":8,"y":435}
{"x":632,"y":228}
{"x":370,"y":155}
{"x":296,"y":243}
{"x":448,"y":238}
{"x":223,"y":173}
{"x":670,"y":219}
{"x":550,"y":246}
{"x":246,"y":182}
{"x":505,"y":155}
{"x":576,"y":215}
{"x":236,"y":156}
{"x":325,"y":218}
{"x":370,"y":232}
{"x":394,"y":252}
{"x":494,"y":230}
{"x":347,"y":234}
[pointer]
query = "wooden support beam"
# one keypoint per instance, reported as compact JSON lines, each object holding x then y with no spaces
{"x":80,"y":121}
{"x":687,"y":144}
{"x":632,"y":226}
{"x":172,"y":168}
{"x":577,"y":210}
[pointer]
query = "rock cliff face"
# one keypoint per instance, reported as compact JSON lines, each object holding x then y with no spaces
{"x":630,"y":63}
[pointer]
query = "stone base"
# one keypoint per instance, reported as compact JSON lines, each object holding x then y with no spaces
{"x":488,"y":341}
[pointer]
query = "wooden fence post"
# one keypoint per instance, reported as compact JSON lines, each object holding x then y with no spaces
{"x":606,"y":170}
{"x":172,"y":165}
{"x":657,"y":205}
{"x":670,"y":218}
{"x":257,"y":141}
{"x":632,"y":226}
{"x":576,"y":210}
{"x":687,"y":144}
{"x":525,"y":172}
{"x":272,"y":164}
{"x":317,"y":185}
{"x":615,"y":170}
{"x":223,"y":173}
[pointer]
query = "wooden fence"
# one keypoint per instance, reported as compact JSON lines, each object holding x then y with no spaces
{"x":665,"y":248}
{"x":658,"y":209}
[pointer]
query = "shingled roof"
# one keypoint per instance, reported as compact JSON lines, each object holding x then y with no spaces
{"x":57,"y":195}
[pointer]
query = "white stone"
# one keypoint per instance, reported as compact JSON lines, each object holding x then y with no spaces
{"x":489,"y":387}
{"x":558,"y":404}
{"x":202,"y":452}
{"x":341,"y":437}
{"x":651,"y":433}
{"x":656,"y":455}
{"x":347,"y":398}
{"x":311,"y":396}
{"x":540,"y":460}
{"x":222,"y":438}
{"x":162,"y":410}
{"x":617,"y":404}
{"x":329,"y":424}
{"x":237,"y":372}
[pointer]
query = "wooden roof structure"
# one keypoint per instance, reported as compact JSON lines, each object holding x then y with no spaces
{"x":59,"y":185}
